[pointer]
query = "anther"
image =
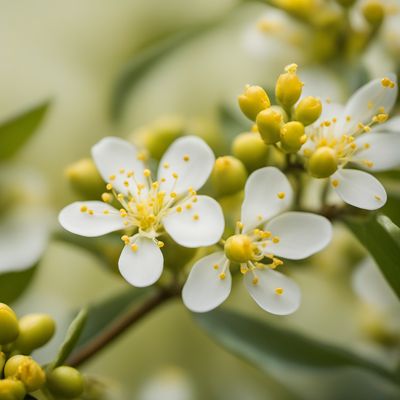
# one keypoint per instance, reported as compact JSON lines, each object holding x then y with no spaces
{"x":134,"y":247}
{"x":106,"y":197}
{"x":335,"y":183}
{"x":275,"y":239}
{"x":222,"y":276}
{"x":279,"y":291}
{"x":281,"y":195}
{"x":196,"y":217}
{"x":186,"y":158}
{"x":84,"y":208}
{"x":215,"y":266}
{"x":146,"y":173}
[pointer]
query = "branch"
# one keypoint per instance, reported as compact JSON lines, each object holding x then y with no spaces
{"x":121,"y":325}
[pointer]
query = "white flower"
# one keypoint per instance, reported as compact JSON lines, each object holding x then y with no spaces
{"x":24,"y":218}
{"x":357,"y":135}
{"x":263,"y":233}
{"x":149,"y":208}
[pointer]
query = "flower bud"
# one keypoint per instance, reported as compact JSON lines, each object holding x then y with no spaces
{"x":269,"y":123}
{"x":85,"y":179}
{"x":228,"y":176}
{"x":308,"y":110}
{"x":374,"y":12}
{"x":288,"y":87}
{"x":250,"y":149}
{"x":66,"y":382}
{"x":26,"y":370}
{"x":292,"y":136}
{"x":8,"y":325}
{"x":253,"y":100}
{"x":322,"y":163}
{"x":346,"y":3}
{"x":11,"y":389}
{"x":35,"y":331}
{"x":238,"y":248}
{"x":2,"y":360}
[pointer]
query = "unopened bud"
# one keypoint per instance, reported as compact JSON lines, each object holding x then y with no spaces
{"x":228,"y":176}
{"x":346,"y":3}
{"x":2,"y":360}
{"x":26,"y":370}
{"x":8,"y":325}
{"x":238,"y":248}
{"x":322,"y":163}
{"x":253,"y":100}
{"x":292,"y":136}
{"x":11,"y":389}
{"x":288,"y":87}
{"x":35,"y":331}
{"x":66,"y":382}
{"x":308,"y":110}
{"x":374,"y":12}
{"x":250,"y":149}
{"x":269,"y":124}
{"x":85,"y":179}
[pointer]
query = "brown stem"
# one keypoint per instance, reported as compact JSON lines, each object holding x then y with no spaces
{"x":120,"y":326}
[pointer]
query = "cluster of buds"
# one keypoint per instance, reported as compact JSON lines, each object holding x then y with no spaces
{"x":19,"y":372}
{"x":282,"y":124}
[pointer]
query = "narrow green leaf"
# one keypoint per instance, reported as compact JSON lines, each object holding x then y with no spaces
{"x":381,"y":237}
{"x":71,"y":339}
{"x":264,"y":344}
{"x":101,"y":314}
{"x":13,"y":284}
{"x":17,"y":130}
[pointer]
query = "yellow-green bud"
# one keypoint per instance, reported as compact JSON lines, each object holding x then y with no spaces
{"x":238,"y":248}
{"x":292,"y":136}
{"x":11,"y":389}
{"x":65,"y":382}
{"x":253,"y":100}
{"x":322,"y":163}
{"x":308,"y":110}
{"x":374,"y":12}
{"x":288,"y":87}
{"x":35,"y":330}
{"x":228,"y":176}
{"x":346,"y":3}
{"x":85,"y":179}
{"x":26,"y":370}
{"x":8,"y":325}
{"x":2,"y":361}
{"x":250,"y":149}
{"x":269,"y":123}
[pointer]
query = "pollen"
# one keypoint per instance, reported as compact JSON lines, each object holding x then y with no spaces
{"x":126,"y":183}
{"x":120,"y":196}
{"x":91,"y":212}
{"x":130,"y":174}
{"x":106,"y":197}
{"x":186,"y":158}
{"x":106,"y":212}
{"x":367,"y":145}
{"x":160,"y":244}
{"x":134,"y":247}
{"x":173,"y":194}
{"x":275,"y":239}
{"x":215,"y":266}
{"x":84,"y":208}
{"x":368,"y":163}
{"x":125,"y":239}
{"x":146,"y":173}
{"x":255,"y":280}
{"x":166,"y":165}
{"x":122,"y":171}
{"x":179,"y":209}
{"x":188,"y":206}
{"x":123,"y":213}
{"x":281,"y":195}
{"x":335,"y":183}
{"x":279,"y":291}
{"x":196,"y":217}
{"x":387,"y":83}
{"x":222,"y":276}
{"x":109,"y":186}
{"x":348,"y":118}
{"x":111,"y":177}
{"x":379,"y":198}
{"x":175,"y":175}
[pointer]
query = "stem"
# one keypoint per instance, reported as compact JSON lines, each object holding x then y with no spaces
{"x":120,"y":325}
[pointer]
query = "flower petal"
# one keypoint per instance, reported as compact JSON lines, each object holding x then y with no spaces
{"x":83,"y":223}
{"x":300,"y":234}
{"x":200,"y":225}
{"x":366,"y":102}
{"x":382,"y":149}
{"x":392,"y":125}
{"x":204,"y":290}
{"x":29,"y":227}
{"x":359,"y":189}
{"x":115,"y":156}
{"x":191,"y":159}
{"x":264,"y":292}
{"x":143,"y":266}
{"x":267,"y":193}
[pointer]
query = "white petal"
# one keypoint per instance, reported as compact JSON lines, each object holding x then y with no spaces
{"x":264,"y":292}
{"x":24,"y":233}
{"x":383,"y":150}
{"x":115,"y":156}
{"x":201,"y":225}
{"x":371,"y":286}
{"x":392,"y":125}
{"x":204,"y":290}
{"x":144,"y":266}
{"x":191,"y":159}
{"x":261,"y":200}
{"x":366,"y":102}
{"x":359,"y":189}
{"x":81,"y":223}
{"x":300,"y":234}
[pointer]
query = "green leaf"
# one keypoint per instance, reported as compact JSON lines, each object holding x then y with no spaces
{"x":381,"y":237}
{"x":13,"y":284}
{"x":102,"y":314}
{"x":71,"y":339}
{"x":17,"y":130}
{"x":264,"y":344}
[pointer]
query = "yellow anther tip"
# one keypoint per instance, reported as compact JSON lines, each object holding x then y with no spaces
{"x":279,"y":291}
{"x":281,"y":195}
